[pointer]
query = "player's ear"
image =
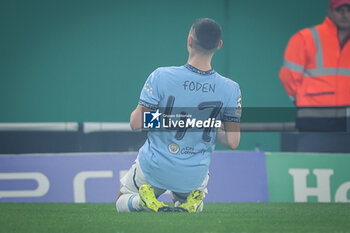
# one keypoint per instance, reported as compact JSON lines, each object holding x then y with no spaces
{"x":189,"y":40}
{"x":220,"y":44}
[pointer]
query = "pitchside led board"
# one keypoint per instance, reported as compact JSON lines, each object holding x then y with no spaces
{"x":234,"y":177}
{"x":94,"y":177}
{"x":294,"y":177}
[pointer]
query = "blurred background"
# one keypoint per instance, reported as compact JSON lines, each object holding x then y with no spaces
{"x":86,"y":61}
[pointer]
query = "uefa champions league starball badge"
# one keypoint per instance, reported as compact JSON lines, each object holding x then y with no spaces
{"x":173,"y":148}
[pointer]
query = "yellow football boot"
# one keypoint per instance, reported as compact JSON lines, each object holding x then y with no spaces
{"x":149,"y":200}
{"x":193,"y":202}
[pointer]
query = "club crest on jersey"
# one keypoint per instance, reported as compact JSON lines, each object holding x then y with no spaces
{"x":151,"y":120}
{"x":173,"y":148}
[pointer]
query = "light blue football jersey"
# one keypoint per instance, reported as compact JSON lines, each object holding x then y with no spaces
{"x":179,"y":160}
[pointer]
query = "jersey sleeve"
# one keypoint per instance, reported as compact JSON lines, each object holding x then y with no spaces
{"x":233,"y":109}
{"x":149,"y":96}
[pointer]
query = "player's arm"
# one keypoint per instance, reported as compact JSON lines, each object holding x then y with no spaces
{"x":230,"y":135}
{"x":136,"y":117}
{"x":149,"y":100}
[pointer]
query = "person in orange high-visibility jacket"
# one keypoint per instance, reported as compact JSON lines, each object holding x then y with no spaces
{"x":316,"y":68}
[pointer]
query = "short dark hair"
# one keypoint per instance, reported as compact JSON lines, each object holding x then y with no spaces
{"x":207,"y":35}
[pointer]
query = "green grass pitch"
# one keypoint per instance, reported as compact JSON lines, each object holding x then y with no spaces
{"x":216,"y":217}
